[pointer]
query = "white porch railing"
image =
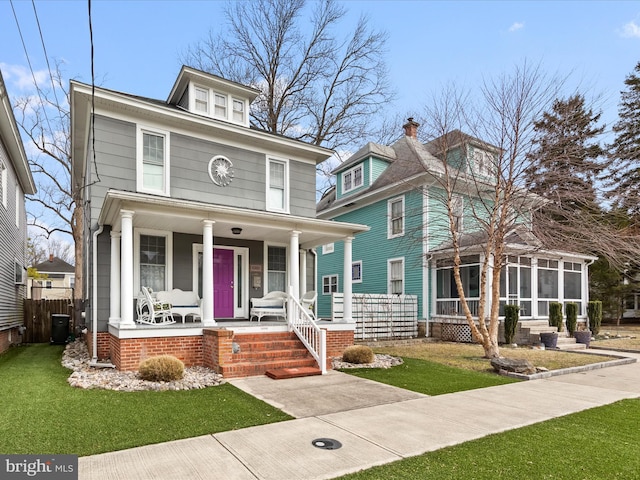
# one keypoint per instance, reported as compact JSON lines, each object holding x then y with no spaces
{"x":307,"y":330}
{"x":452,"y":307}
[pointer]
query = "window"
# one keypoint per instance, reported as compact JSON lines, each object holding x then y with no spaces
{"x":19,"y":273}
{"x":396,"y":276}
{"x":238,"y":110}
{"x":457,"y":210}
{"x":356,"y":272}
{"x":153,"y":161}
{"x":277,"y":185}
{"x":328,"y":248}
{"x":3,"y":183}
{"x":572,"y":281}
{"x":352,"y":179}
{"x":483,"y":162}
{"x":395,"y":208}
{"x":277,"y":269}
{"x":48,"y":284}
{"x":220,"y":109}
{"x":72,"y":282}
{"x":547,"y":284}
{"x":153,"y":262}
{"x":201,"y":100}
{"x":329,"y":284}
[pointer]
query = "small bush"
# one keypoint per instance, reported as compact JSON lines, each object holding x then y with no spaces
{"x":511,"y":317}
{"x":555,"y":315}
{"x":163,"y":368}
{"x":571,"y":311}
{"x":358,"y":354}
{"x":594,"y":312}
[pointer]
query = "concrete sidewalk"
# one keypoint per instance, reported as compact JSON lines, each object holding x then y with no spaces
{"x":375,"y":424}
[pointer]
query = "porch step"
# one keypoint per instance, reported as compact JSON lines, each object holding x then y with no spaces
{"x":569,"y":343}
{"x":252,"y":369}
{"x":283,"y":373}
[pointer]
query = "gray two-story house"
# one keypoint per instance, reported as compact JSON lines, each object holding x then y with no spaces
{"x":185,"y":195}
{"x":16,"y":181}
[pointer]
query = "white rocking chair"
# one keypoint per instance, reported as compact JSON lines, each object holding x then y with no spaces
{"x":308,"y":302}
{"x":151,"y":311}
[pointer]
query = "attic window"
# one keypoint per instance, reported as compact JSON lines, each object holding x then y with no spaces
{"x":352,"y":179}
{"x":202,"y":100}
{"x":220,"y":105}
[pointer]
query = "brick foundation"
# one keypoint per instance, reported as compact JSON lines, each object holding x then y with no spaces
{"x":104,"y":344}
{"x":127,"y":353}
{"x":9,"y":337}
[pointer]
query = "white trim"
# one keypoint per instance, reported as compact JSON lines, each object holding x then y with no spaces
{"x":193,"y":100}
{"x":168,"y":235}
{"x":4,"y":174}
{"x":265,"y":265}
{"x":337,"y":283}
{"x":151,"y":130}
{"x":328,"y":248}
{"x":390,"y":203}
{"x":18,"y":202}
{"x":17,"y":266}
{"x":214,"y":105}
{"x":243,"y":101}
{"x":389,"y":262}
{"x":268,"y":206}
{"x":353,"y":280}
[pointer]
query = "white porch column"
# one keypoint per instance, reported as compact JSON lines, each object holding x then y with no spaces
{"x":346,"y":282}
{"x":126,"y":271}
{"x":303,"y":272}
{"x":294,"y":264}
{"x":534,"y":288}
{"x":114,"y":290}
{"x":207,"y":273}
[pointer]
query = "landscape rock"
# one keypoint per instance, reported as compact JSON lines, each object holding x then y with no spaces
{"x":515,"y":365}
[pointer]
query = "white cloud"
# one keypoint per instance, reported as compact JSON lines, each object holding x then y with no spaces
{"x":516,"y":26}
{"x":20,"y":77}
{"x":630,"y":30}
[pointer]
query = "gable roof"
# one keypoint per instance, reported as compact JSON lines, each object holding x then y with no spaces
{"x":54,"y":264}
{"x":10,"y":137}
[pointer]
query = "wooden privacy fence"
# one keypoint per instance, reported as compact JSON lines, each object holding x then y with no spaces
{"x":380,"y":316}
{"x":37,"y":318}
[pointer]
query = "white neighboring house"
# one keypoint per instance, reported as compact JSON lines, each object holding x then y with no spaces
{"x":58,"y":283}
{"x":16,"y":181}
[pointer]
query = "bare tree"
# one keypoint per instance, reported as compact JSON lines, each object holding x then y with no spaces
{"x":314,"y":86}
{"x":490,"y":188}
{"x":57,"y":207}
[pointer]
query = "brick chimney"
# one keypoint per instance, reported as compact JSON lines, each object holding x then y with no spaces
{"x":411,"y":128}
{"x":51,"y":257}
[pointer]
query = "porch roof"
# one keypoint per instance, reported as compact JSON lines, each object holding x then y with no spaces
{"x":186,"y":216}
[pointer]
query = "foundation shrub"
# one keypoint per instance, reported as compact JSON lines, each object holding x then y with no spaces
{"x":163,"y":368}
{"x":571,"y":311}
{"x":358,"y":354}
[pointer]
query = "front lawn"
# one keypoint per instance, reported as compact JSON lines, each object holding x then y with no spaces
{"x":41,"y":413}
{"x":597,"y":444}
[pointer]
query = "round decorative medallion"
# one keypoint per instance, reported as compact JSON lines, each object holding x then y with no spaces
{"x":221,"y":170}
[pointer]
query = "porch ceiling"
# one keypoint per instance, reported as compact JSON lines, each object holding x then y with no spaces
{"x":162,"y":213}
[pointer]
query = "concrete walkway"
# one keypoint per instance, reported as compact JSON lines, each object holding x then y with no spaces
{"x":374,"y":423}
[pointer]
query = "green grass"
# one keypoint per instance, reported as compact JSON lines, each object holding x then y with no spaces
{"x":430,"y":378}
{"x":597,"y":444}
{"x":41,"y":413}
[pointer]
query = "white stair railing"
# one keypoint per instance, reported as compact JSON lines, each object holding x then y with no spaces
{"x":313,"y":337}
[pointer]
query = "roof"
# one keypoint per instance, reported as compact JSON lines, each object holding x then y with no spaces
{"x":453,"y":139}
{"x":370,"y":149}
{"x":10,"y":137}
{"x":56,"y":265}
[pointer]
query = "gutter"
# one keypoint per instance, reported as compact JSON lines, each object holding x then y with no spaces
{"x":94,"y":305}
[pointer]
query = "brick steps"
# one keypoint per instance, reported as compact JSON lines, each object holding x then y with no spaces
{"x":259,"y":353}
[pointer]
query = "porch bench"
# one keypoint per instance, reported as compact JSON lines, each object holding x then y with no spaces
{"x":182,"y":302}
{"x":273,"y":304}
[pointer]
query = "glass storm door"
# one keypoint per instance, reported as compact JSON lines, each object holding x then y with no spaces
{"x":223,"y":283}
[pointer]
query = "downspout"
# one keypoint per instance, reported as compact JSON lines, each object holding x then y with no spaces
{"x":428,"y":305}
{"x":94,"y":304}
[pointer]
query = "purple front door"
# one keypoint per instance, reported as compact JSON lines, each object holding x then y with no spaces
{"x":223,"y":283}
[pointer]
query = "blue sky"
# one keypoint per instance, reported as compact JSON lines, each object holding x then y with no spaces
{"x":137,"y":43}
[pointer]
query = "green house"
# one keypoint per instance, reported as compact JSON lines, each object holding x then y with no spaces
{"x":396,"y":190}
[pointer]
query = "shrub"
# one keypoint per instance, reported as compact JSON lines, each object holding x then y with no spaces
{"x":571,"y":311}
{"x":555,"y":315}
{"x":594,"y":312}
{"x":511,"y":317}
{"x":358,"y":354}
{"x":163,"y":368}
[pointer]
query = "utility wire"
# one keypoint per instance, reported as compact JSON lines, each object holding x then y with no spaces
{"x":93,"y":97}
{"x":24,"y":46}
{"x":46,"y":55}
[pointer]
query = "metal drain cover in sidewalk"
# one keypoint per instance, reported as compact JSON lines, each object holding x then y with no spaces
{"x":326,"y":443}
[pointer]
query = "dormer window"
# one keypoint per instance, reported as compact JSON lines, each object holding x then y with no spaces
{"x":352,"y":179}
{"x":238,"y":110}
{"x":220,"y":109}
{"x":202,"y":100}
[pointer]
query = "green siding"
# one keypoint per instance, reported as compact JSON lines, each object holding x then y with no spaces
{"x":373,"y":248}
{"x":377,"y":167}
